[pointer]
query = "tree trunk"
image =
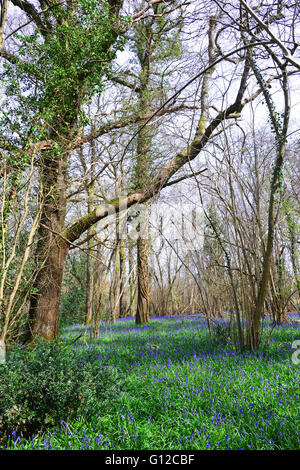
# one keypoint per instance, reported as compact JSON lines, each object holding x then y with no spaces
{"x":89,"y":288}
{"x":51,"y":252}
{"x":280,"y":128}
{"x":122,"y":262}
{"x":143,"y":167}
{"x":90,"y":267}
{"x":131,"y":279}
{"x":98,"y":288}
{"x":115,"y":287}
{"x":142,"y":312}
{"x":44,"y":306}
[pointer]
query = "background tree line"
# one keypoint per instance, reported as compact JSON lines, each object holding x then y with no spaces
{"x":110,"y":108}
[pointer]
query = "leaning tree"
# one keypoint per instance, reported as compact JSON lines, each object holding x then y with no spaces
{"x":56,"y":61}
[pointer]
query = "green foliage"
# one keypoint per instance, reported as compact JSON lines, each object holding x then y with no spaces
{"x":73,"y":298}
{"x":25,"y":288}
{"x":58,"y":69}
{"x":73,"y":305}
{"x":40,"y":387}
{"x":187,"y":393}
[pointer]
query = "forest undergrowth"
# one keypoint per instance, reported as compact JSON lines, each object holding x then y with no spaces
{"x":181,"y":390}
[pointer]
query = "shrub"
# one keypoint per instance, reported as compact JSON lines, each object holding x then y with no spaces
{"x":40,"y":387}
{"x":72,"y":306}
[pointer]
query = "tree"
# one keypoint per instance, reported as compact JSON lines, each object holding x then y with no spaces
{"x":3,"y":13}
{"x":65,"y":61}
{"x":155,"y":41}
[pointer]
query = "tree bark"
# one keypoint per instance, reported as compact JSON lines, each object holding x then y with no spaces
{"x":131,"y":279}
{"x":51,"y":252}
{"x":89,"y":288}
{"x":143,"y":166}
{"x":142,"y":311}
{"x":122,"y":264}
{"x":280,"y":130}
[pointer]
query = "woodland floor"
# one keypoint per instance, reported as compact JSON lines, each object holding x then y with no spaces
{"x":182,"y":391}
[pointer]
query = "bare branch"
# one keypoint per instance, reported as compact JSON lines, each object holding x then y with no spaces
{"x":286,"y":52}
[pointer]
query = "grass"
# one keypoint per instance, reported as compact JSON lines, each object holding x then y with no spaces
{"x":183,"y":392}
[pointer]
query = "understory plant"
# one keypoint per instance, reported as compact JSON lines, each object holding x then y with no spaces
{"x":52,"y":382}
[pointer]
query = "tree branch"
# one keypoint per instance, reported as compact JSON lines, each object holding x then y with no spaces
{"x":31,"y":13}
{"x":286,"y":52}
{"x":160,"y":181}
{"x":125,"y":122}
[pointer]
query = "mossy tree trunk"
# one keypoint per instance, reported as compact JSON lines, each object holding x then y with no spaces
{"x":280,"y":129}
{"x":141,"y":178}
{"x":142,"y":311}
{"x":51,"y":252}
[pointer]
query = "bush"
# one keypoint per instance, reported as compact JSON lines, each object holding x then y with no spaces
{"x":72,"y":306}
{"x":40,"y":387}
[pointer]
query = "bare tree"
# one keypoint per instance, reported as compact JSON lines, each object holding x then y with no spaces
{"x":53,"y":129}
